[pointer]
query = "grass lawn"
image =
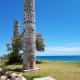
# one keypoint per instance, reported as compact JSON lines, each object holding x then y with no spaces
{"x":57,"y":70}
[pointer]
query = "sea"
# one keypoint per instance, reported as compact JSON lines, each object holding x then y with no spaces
{"x":60,"y":58}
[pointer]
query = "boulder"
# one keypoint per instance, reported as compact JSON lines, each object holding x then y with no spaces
{"x":13,"y":76}
{"x":20,"y":77}
{"x":45,"y":78}
{"x":3,"y":77}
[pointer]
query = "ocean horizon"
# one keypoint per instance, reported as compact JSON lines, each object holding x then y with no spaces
{"x":60,"y":58}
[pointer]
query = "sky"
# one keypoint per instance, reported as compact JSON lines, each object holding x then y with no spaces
{"x":57,"y":20}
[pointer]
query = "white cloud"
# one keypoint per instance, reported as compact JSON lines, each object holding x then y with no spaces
{"x":60,"y":51}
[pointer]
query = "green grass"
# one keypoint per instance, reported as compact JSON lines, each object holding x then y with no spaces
{"x":57,"y":70}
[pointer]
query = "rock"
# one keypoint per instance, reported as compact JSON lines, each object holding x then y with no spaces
{"x":8,"y":76}
{"x":20,"y":77}
{"x":3,"y":77}
{"x":45,"y":78}
{"x":2,"y":71}
{"x":13,"y":76}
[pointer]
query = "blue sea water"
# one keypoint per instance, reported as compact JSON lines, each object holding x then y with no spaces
{"x":59,"y":58}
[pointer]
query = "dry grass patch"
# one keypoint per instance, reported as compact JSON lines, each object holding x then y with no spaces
{"x":57,"y":70}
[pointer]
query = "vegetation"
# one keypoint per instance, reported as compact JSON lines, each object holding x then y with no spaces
{"x":57,"y":70}
{"x":39,"y":43}
{"x":14,"y":56}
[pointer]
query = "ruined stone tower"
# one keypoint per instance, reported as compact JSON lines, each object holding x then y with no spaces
{"x":29,"y":35}
{"x":16,"y":28}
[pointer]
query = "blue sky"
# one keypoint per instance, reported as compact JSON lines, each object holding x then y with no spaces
{"x":57,"y":20}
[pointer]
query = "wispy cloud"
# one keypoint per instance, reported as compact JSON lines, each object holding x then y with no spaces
{"x":73,"y":44}
{"x":61,"y":51}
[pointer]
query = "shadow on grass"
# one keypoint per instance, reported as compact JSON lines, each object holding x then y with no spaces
{"x":38,"y":62}
{"x":16,"y":69}
{"x":7,"y":63}
{"x":12,"y":70}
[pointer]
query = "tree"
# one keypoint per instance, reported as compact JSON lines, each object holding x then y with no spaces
{"x":14,"y":56}
{"x":39,"y":42}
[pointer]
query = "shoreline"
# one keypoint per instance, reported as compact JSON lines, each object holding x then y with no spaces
{"x":57,"y":60}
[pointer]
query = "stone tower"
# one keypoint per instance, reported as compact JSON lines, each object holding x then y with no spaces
{"x":29,"y":35}
{"x":16,"y":28}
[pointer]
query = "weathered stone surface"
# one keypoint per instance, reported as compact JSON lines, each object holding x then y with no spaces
{"x":20,"y":77}
{"x":3,"y":77}
{"x":29,"y":35}
{"x":16,"y":28}
{"x":12,"y":76}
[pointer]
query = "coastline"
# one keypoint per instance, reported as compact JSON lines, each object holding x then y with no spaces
{"x":59,"y":58}
{"x":57,"y":61}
